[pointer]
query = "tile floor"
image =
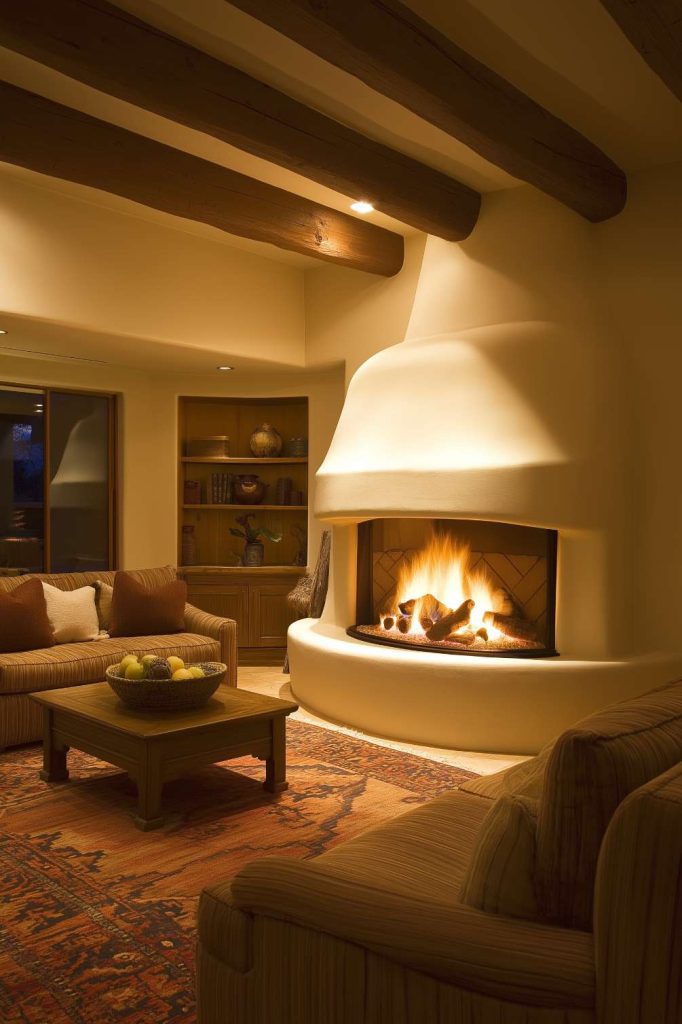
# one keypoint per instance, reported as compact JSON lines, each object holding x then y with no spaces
{"x":271,"y":680}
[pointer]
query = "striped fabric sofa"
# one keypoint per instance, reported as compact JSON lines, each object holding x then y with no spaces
{"x":460,"y":912}
{"x":207,"y":638}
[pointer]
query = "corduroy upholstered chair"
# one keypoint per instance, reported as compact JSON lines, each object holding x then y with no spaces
{"x":547,"y":894}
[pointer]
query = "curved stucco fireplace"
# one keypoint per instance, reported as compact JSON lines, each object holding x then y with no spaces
{"x":523,"y":424}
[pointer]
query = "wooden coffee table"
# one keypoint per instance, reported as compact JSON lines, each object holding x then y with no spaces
{"x":153,"y":747}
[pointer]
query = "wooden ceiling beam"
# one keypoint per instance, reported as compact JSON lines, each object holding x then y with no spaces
{"x":654,"y":27}
{"x":65,"y":143}
{"x":397,"y":53}
{"x":99,"y":44}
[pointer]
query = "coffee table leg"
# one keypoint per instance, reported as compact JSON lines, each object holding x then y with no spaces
{"x":149,"y":788}
{"x":54,"y":756}
{"x":276,"y":764}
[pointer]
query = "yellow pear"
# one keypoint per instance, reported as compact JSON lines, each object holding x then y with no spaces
{"x":182,"y":673}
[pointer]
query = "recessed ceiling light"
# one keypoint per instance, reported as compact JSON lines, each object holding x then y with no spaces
{"x":2,"y":332}
{"x":224,"y":367}
{"x":361,"y":206}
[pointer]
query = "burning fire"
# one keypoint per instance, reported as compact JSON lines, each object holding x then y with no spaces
{"x":442,"y":571}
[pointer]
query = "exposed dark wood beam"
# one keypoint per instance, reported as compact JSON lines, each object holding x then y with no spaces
{"x":391,"y":49}
{"x":654,"y":27}
{"x":98,"y":43}
{"x":64,"y":143}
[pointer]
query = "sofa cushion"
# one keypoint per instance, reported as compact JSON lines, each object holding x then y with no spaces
{"x":24,"y":623}
{"x":139,"y":610}
{"x":424,"y":852}
{"x":72,"y":613}
{"x":590,"y":770}
{"x":70,"y":664}
{"x":500,"y":878}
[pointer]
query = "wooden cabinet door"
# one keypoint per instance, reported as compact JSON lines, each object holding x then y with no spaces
{"x":269,"y":614}
{"x":230,"y":601}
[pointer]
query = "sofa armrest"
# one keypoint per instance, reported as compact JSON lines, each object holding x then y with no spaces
{"x":224,"y":630}
{"x":638,"y":907}
{"x":505,"y":958}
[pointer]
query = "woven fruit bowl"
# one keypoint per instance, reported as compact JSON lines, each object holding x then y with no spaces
{"x":168,"y":694}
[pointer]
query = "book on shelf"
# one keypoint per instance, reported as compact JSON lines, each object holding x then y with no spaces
{"x":192,"y":494}
{"x":221,"y":488}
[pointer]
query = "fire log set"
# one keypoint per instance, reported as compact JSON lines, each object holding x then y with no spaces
{"x":428,"y":620}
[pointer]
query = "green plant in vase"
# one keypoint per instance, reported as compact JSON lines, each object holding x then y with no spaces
{"x":252,"y":534}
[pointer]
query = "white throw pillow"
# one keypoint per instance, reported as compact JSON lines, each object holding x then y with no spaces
{"x":72,"y":613}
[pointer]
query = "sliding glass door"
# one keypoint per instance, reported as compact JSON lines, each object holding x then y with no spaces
{"x":57,"y":480}
{"x":22,"y":479}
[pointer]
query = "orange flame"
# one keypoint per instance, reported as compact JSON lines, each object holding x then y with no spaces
{"x":443,"y":569}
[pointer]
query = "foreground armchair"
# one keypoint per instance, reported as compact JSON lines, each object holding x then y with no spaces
{"x":547,"y":894}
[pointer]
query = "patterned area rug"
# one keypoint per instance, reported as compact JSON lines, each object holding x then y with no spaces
{"x":97,"y":919}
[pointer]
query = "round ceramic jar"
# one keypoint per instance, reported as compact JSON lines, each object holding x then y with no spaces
{"x":265,"y":442}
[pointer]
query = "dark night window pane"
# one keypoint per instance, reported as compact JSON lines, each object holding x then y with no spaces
{"x":21,"y":479}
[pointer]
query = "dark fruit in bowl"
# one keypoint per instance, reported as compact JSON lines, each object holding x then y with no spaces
{"x":159,"y":669}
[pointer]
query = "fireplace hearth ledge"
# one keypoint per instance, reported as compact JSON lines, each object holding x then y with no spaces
{"x":502,"y":705}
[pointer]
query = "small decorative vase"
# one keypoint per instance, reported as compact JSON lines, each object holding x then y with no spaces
{"x":248,"y":489}
{"x":296,"y":447}
{"x":265,"y":442}
{"x":254,"y":554}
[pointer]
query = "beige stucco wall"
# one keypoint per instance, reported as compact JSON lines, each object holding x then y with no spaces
{"x":93,"y":265}
{"x":74,"y":262}
{"x":640,"y":274}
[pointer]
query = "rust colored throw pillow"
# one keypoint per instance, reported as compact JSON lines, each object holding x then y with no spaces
{"x":137,"y":610}
{"x":24,"y":625}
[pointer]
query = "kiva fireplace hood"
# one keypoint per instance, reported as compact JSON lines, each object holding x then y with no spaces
{"x":525,"y":424}
{"x":499,"y":422}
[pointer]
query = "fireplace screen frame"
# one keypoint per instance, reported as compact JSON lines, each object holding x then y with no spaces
{"x":365,"y":611}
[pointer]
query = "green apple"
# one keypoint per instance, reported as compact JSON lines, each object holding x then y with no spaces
{"x":147,"y":659}
{"x":134,"y":670}
{"x":175,"y":663}
{"x":129,"y":659}
{"x":196,"y":672}
{"x":181,"y":673}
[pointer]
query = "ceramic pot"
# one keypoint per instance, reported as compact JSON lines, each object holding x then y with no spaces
{"x":248,"y":489}
{"x":265,"y":442}
{"x":254,"y":554}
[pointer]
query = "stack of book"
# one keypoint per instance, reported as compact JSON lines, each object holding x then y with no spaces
{"x":221,"y":488}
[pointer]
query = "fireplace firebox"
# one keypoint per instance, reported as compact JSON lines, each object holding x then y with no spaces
{"x":457,"y":586}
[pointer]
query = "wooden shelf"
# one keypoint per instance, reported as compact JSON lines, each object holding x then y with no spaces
{"x":250,"y":508}
{"x":241,"y":570}
{"x":254,"y":596}
{"x":229,"y":460}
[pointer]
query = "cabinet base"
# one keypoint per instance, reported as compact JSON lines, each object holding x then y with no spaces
{"x":261,"y":655}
